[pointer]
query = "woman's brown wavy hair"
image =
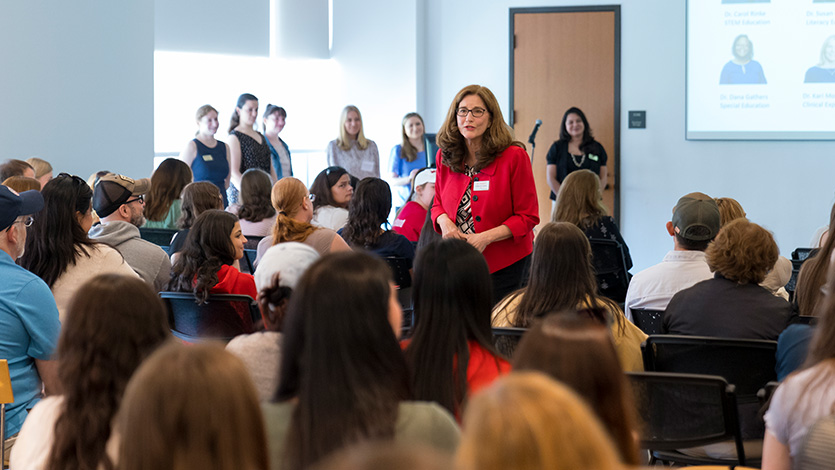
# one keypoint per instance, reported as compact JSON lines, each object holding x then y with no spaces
{"x":112,"y":324}
{"x":742,"y":252}
{"x":497,"y":137}
{"x":288,"y":196}
{"x":167,"y":183}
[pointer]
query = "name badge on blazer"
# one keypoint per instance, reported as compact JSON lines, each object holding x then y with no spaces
{"x":207,"y":158}
{"x":481,"y":186}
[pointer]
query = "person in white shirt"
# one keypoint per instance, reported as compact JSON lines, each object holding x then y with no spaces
{"x":694,"y":224}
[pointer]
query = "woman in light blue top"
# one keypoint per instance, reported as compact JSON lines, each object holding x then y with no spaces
{"x":407,"y":158}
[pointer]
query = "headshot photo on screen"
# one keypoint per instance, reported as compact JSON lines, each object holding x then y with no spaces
{"x":742,"y":69}
{"x":824,"y":71}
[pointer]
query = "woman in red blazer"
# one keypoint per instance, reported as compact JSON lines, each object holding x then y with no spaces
{"x":484,"y":189}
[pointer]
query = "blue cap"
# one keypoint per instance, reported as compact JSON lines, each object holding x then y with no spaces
{"x":13,"y":205}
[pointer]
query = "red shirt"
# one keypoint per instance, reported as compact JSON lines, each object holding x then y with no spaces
{"x":503,"y":193}
{"x":232,"y":281}
{"x":410,"y":221}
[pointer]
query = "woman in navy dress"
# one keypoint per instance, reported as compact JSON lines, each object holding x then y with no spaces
{"x":207,"y":156}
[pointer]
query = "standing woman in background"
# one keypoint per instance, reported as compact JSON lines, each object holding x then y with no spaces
{"x":352,"y":150}
{"x":484,"y":187}
{"x":274,"y":118}
{"x":575,"y":150}
{"x":407,"y":158}
{"x":162,"y":203}
{"x":207,"y":156}
{"x":248,"y":148}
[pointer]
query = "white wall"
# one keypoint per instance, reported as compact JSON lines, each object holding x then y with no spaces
{"x":788,"y":187}
{"x":76,"y":86}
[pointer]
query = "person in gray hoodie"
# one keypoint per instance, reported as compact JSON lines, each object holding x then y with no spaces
{"x":119,"y":202}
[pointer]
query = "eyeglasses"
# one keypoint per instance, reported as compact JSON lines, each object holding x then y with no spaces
{"x":26,"y":221}
{"x":139,"y":198}
{"x":477,"y":112}
{"x":312,"y":197}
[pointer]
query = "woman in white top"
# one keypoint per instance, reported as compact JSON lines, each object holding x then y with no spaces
{"x":112,"y":324}
{"x":332,"y":192}
{"x":352,"y":150}
{"x":58,"y":248}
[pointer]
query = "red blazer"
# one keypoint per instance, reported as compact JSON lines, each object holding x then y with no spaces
{"x":504,"y":193}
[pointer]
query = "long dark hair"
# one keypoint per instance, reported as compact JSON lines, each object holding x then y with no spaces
{"x":452,"y":301}
{"x":497,"y":137}
{"x":98,"y":354}
{"x":56,"y":238}
{"x":369,"y":209}
{"x":813,"y":273}
{"x":353,"y":375}
{"x":587,"y":135}
{"x":236,"y":116}
{"x":167,"y":183}
{"x":321,"y":187}
{"x":207,"y":248}
{"x":198,"y":197}
{"x":255,"y":196}
{"x":579,"y":352}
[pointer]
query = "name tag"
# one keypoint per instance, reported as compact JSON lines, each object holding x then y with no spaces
{"x":481,"y":186}
{"x":207,"y":158}
{"x":367,"y":166}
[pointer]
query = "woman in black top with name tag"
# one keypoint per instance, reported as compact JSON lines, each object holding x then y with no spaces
{"x":575,"y":150}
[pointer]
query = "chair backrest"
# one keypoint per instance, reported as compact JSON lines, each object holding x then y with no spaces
{"x":817,"y":451}
{"x":765,"y":394}
{"x":649,"y":321}
{"x":222,"y":317}
{"x":400,"y":270}
{"x":609,"y":263}
{"x":748,"y":364}
{"x":248,"y":262}
{"x":507,"y":339}
{"x":800,"y":254}
{"x":158,"y":236}
{"x":685,"y":410}
{"x":252,"y":242}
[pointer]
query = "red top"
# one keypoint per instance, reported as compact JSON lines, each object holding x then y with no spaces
{"x":503,"y":193}
{"x":232,"y":281}
{"x":410,"y":221}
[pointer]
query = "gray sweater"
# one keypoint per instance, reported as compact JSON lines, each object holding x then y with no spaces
{"x":148,"y":260}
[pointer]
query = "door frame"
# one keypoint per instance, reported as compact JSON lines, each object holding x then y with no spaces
{"x":617,"y":108}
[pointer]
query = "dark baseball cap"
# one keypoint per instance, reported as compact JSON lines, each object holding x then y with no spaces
{"x":13,"y":205}
{"x":696,"y":210}
{"x":113,"y":190}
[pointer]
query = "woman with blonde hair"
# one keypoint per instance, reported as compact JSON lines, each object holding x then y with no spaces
{"x":526,"y":421}
{"x":351,"y":150}
{"x":580,"y":202}
{"x":191,"y":407}
{"x":213,"y":162}
{"x":43,"y":169}
{"x":295,"y":211}
{"x":729,"y":209}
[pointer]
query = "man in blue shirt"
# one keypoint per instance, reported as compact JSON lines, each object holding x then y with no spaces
{"x":29,"y":325}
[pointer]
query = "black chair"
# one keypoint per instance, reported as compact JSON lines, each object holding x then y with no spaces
{"x":252,"y":242}
{"x":158,"y":236}
{"x":764,"y":394}
{"x":609,"y":263}
{"x":402,"y":279}
{"x":649,"y":321}
{"x":681,"y":411}
{"x":799,"y":256}
{"x":220,"y":318}
{"x":507,"y":339}
{"x":248,"y":261}
{"x":807,"y":320}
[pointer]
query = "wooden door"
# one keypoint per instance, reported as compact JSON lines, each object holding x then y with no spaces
{"x":566,"y":57}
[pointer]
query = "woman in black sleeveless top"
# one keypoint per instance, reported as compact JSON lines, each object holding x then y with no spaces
{"x":248,"y":148}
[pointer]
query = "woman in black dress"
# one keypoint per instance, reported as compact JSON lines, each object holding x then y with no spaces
{"x":247,"y":147}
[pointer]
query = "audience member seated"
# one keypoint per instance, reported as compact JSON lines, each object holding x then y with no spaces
{"x":97,"y":354}
{"x":780,"y":274}
{"x":580,"y":202}
{"x":343,"y":378}
{"x":295,"y":211}
{"x":579,"y":352}
{"x":792,"y":348}
{"x":386,"y":455}
{"x":410,"y":220}
{"x":59,"y":249}
{"x":118,"y":201}
{"x":197,"y":198}
{"x":206,"y":264}
{"x":528,"y":421}
{"x":369,"y":210}
{"x":162,"y":204}
{"x":332,"y":191}
{"x":732,"y":304}
{"x":451,"y":353}
{"x":43,"y":170}
{"x":561,"y":279}
{"x":807,"y":395}
{"x":254,"y":208}
{"x":696,"y":221}
{"x":813,"y":274}
{"x":275,"y":279}
{"x":191,"y":408}
{"x":22,"y":183}
{"x":29,"y":325}
{"x":12,"y":167}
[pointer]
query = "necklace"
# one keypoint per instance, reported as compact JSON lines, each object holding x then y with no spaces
{"x":574,"y":159}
